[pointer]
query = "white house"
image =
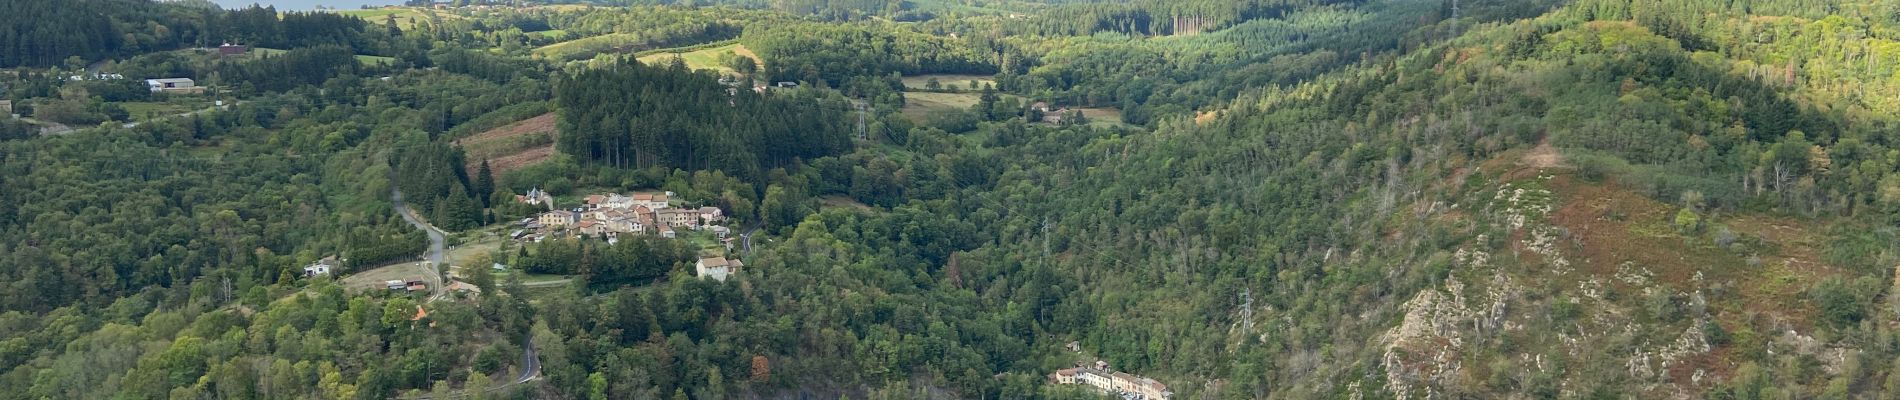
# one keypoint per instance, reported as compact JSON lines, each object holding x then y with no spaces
{"x":321,"y":267}
{"x":711,"y":215}
{"x":717,"y":267}
{"x":652,"y":201}
{"x":173,"y":85}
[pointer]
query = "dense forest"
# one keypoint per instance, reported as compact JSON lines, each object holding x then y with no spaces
{"x":41,"y":33}
{"x":633,"y":115}
{"x":1240,"y":199}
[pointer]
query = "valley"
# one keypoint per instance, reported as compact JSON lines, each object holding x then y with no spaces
{"x":945,"y":199}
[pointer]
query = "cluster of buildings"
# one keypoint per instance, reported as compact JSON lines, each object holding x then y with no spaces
{"x":1121,"y":384}
{"x":1053,"y":115}
{"x":612,"y":215}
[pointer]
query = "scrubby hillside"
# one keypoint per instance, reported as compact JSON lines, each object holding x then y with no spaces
{"x":1571,"y":205}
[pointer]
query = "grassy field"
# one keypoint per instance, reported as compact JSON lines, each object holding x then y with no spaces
{"x":1102,"y":117}
{"x":365,"y":59}
{"x":380,"y":12}
{"x":553,"y":33}
{"x":587,"y":47}
{"x":842,"y":202}
{"x":406,"y":17}
{"x":375,"y":60}
{"x":708,"y":58}
{"x":918,"y":105}
{"x":486,"y":241}
{"x":918,"y":82}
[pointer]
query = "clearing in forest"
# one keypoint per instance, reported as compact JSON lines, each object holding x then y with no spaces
{"x":713,"y":58}
{"x":920,"y":105}
{"x":511,"y":146}
{"x":944,"y":81}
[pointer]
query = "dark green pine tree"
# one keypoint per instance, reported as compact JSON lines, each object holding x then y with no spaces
{"x":485,"y":184}
{"x":986,"y":105}
{"x":463,"y":212}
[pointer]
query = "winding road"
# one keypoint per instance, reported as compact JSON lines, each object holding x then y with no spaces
{"x":438,"y":241}
{"x":747,"y":236}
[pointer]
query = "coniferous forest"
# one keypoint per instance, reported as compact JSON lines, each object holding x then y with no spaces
{"x":943,"y":199}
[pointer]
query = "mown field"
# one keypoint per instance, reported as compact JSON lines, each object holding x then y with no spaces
{"x":405,"y":17}
{"x":712,"y":58}
{"x":962,"y":82}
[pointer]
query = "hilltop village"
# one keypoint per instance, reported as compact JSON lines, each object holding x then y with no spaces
{"x":611,"y":215}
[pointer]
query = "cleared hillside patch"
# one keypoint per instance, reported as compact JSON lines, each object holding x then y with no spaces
{"x":511,"y":146}
{"x":1768,"y":262}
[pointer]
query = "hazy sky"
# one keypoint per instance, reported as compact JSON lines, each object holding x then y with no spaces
{"x":304,"y":5}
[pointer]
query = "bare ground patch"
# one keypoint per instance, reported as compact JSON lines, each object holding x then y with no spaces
{"x":1613,"y":230}
{"x":522,"y":159}
{"x":512,"y":146}
{"x":1543,"y":157}
{"x":541,"y":124}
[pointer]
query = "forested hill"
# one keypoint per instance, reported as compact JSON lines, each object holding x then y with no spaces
{"x":53,"y":33}
{"x":634,"y":115}
{"x":1617,"y":199}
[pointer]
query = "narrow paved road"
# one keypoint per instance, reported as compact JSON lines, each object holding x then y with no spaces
{"x":530,"y":364}
{"x":530,"y":359}
{"x":437,"y":242}
{"x":746,"y":238}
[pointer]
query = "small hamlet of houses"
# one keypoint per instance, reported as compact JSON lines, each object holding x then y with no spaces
{"x":1121,"y":384}
{"x":612,"y":215}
